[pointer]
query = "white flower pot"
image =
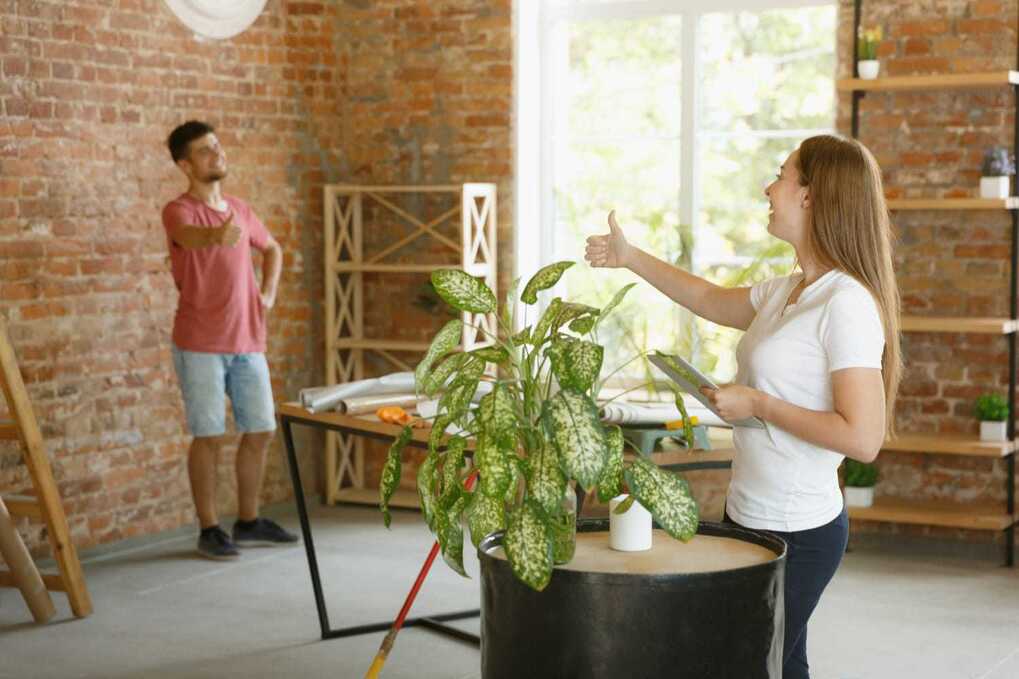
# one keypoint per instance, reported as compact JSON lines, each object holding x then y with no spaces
{"x":994,"y":431}
{"x":859,"y":497}
{"x":868,"y":68}
{"x":995,"y":187}
{"x":631,"y":530}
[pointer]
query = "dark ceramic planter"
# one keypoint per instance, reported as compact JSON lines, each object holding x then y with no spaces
{"x":716,"y":625}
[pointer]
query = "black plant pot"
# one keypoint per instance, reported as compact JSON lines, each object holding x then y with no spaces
{"x":716,"y":624}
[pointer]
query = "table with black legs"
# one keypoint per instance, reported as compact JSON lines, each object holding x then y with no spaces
{"x":292,"y":413}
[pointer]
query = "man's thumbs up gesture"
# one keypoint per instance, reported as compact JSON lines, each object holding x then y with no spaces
{"x":610,"y":250}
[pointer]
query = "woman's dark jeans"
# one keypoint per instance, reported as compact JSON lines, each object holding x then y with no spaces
{"x":812,"y":557}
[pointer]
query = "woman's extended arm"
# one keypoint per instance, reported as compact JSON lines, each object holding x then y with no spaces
{"x":726,"y":306}
{"x":855,"y":428}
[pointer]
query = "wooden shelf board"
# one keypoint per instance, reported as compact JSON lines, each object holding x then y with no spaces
{"x":684,"y":457}
{"x":990,"y":326}
{"x":930,"y":82}
{"x":1011,"y":203}
{"x":952,"y":444}
{"x":406,"y":499}
{"x":363,"y":188}
{"x":349,"y":267}
{"x":8,"y":430}
{"x":391,"y":345}
{"x":926,"y":514}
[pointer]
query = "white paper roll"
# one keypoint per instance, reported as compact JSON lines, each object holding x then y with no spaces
{"x":631,"y":530}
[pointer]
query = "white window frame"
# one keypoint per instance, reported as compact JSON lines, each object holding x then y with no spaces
{"x":539,"y":27}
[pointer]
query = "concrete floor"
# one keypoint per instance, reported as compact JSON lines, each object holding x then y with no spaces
{"x":162,"y":612}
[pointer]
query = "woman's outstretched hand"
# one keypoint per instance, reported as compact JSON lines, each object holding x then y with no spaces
{"x":610,"y":250}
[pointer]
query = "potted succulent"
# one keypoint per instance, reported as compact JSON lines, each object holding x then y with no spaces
{"x":997,"y":172}
{"x":867,"y":65}
{"x":992,"y":411}
{"x":538,"y":440}
{"x":860,"y":479}
{"x":537,"y":433}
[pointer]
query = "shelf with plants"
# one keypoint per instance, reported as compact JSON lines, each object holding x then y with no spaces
{"x":347,"y":222}
{"x":993,"y":517}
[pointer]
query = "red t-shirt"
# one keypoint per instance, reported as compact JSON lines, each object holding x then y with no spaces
{"x":219,"y":310}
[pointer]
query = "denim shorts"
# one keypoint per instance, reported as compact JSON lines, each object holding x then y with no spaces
{"x":206,"y":379}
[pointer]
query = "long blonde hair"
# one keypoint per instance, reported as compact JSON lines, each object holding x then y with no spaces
{"x":852,"y":232}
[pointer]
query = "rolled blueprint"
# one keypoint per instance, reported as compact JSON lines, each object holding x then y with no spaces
{"x":319,"y":399}
{"x":358,"y":405}
{"x":654,"y":413}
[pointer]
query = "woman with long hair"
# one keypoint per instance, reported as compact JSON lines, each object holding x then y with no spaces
{"x":819,"y":361}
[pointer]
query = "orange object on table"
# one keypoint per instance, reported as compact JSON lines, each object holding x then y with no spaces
{"x":393,"y":415}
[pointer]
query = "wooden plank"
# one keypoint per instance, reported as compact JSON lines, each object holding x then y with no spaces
{"x":406,"y":499}
{"x":24,"y":506}
{"x":954,"y":203}
{"x":929,"y":82}
{"x":983,"y":325}
{"x":391,"y":345}
{"x":51,"y":580}
{"x":361,"y":425}
{"x":393,"y":268}
{"x":973,"y":518}
{"x":952,"y":444}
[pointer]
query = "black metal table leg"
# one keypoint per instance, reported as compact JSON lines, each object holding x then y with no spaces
{"x":432,"y":622}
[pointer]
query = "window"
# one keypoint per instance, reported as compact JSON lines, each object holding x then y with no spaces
{"x":678,"y":119}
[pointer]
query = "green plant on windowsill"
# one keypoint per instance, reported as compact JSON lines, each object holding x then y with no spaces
{"x":991,"y":408}
{"x":859,"y":474}
{"x":536,"y":433}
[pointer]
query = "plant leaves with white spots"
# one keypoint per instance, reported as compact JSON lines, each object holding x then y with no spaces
{"x":391,"y":472}
{"x":426,"y":489}
{"x":453,"y":462}
{"x":457,"y":397}
{"x":625,"y":505}
{"x":491,"y":354}
{"x":583,"y":325}
{"x":462,"y":291}
{"x":611,"y":482}
{"x":546,"y":321}
{"x":575,"y":363}
{"x":438,"y":431}
{"x":497,"y":416}
{"x":545,"y":278}
{"x":546,"y":482}
{"x":444,"y":341}
{"x":666,"y":495}
{"x":687,"y":424}
{"x":494,"y":466}
{"x":437,"y":379}
{"x":614,"y":302}
{"x":485,"y":515}
{"x":528,"y":546}
{"x":450,"y":533}
{"x":571,"y":422}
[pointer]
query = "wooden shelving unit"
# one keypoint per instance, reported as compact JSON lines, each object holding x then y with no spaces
{"x":987,"y":518}
{"x":983,"y":326}
{"x":346,"y":263}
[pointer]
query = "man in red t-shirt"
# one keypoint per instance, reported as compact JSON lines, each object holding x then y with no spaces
{"x":219,"y":336}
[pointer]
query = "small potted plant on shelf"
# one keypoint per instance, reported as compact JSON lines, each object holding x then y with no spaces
{"x":997,"y":172}
{"x":992,"y":411}
{"x":537,"y":433}
{"x":867,"y":65}
{"x":860,"y":479}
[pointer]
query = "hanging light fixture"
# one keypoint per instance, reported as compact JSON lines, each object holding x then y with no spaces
{"x":216,"y":19}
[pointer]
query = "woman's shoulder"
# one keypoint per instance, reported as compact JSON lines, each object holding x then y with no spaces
{"x":845,"y":290}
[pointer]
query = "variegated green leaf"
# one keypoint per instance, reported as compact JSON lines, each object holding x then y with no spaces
{"x":426,"y":489}
{"x":683,"y":372}
{"x":444,"y":341}
{"x":491,"y":354}
{"x":437,"y":379}
{"x":571,"y":421}
{"x":518,"y":466}
{"x":485,"y":515}
{"x":391,"y":471}
{"x":625,"y":505}
{"x":457,"y":398}
{"x":575,"y":363}
{"x":495,"y":410}
{"x":545,"y":278}
{"x":584,"y":324}
{"x":450,"y":534}
{"x":522,"y":337}
{"x":611,"y":482}
{"x":462,"y":291}
{"x":494,"y":466}
{"x":687,"y":424}
{"x":529,"y":547}
{"x":438,"y":431}
{"x":546,"y":483}
{"x":546,"y":321}
{"x":571,"y":311}
{"x":666,"y":495}
{"x":509,"y":304}
{"x":614,"y":302}
{"x":453,"y":462}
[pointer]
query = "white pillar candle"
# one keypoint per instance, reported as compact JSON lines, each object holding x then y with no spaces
{"x":631,"y":530}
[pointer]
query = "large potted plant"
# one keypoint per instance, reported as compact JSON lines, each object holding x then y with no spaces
{"x":537,"y":439}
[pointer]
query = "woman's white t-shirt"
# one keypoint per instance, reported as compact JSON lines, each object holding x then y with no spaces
{"x":780,"y":482}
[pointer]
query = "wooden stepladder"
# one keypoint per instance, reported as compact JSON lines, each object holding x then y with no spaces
{"x":44,"y":504}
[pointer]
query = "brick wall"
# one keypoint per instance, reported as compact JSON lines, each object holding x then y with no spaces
{"x":314,"y":92}
{"x":930,"y":144}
